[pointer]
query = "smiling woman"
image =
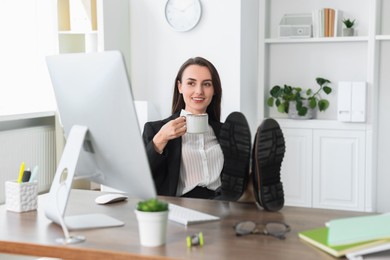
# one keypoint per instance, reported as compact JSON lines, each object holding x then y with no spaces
{"x":28,"y":36}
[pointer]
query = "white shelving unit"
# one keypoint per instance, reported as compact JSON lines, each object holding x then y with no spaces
{"x":312,"y":176}
{"x":109,"y":27}
{"x":319,"y":40}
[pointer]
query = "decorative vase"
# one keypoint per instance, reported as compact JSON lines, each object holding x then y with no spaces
{"x":348,"y":32}
{"x":293,"y":112}
{"x":152,"y":227}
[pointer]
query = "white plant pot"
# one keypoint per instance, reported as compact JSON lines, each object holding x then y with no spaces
{"x":152,"y":227}
{"x":348,"y":32}
{"x":293,"y":113}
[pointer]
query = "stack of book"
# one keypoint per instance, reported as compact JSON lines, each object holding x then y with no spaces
{"x":351,"y":236}
{"x":326,"y":22}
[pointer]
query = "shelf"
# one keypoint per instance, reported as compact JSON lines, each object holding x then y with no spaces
{"x":76,"y":32}
{"x":318,"y":40}
{"x":383,"y":37}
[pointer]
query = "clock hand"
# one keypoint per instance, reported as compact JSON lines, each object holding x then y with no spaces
{"x":182,"y":7}
{"x":189,"y":5}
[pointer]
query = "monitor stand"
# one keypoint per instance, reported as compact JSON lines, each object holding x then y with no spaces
{"x":60,"y":189}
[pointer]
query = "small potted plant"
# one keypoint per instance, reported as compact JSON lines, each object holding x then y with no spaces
{"x":299,"y":104}
{"x":152,"y":216}
{"x":348,"y":30}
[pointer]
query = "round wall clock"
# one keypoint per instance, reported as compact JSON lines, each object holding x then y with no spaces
{"x":183,"y":15}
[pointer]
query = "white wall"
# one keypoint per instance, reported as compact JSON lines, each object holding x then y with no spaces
{"x":383,"y":166}
{"x":222,"y":36}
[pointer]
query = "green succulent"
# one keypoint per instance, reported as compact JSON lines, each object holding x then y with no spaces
{"x":348,"y":23}
{"x":281,"y":97}
{"x":152,"y":205}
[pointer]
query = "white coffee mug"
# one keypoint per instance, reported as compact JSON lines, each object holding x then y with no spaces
{"x":197,"y":123}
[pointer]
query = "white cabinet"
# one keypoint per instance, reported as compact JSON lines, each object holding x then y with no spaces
{"x":324,"y":165}
{"x":339,"y":169}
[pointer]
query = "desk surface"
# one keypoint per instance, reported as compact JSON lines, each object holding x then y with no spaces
{"x":31,"y":233}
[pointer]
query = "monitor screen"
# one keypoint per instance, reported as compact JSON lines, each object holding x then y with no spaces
{"x":93,"y":93}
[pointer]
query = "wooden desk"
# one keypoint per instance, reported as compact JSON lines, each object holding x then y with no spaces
{"x":31,"y":233}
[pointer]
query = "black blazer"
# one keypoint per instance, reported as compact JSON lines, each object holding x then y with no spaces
{"x":165,"y":167}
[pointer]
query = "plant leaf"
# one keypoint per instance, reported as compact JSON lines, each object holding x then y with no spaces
{"x":287,"y":90}
{"x":312,"y":103}
{"x":275,"y":91}
{"x":152,"y":205}
{"x":270,"y":101}
{"x":327,"y":89}
{"x":322,"y":81}
{"x":282,"y":108}
{"x":298,"y":89}
{"x":302,"y":111}
{"x":323,"y":104}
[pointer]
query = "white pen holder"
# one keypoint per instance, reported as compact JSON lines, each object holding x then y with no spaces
{"x":21,"y":197}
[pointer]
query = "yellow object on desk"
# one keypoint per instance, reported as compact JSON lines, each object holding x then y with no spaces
{"x":21,"y":171}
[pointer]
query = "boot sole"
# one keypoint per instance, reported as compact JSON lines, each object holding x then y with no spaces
{"x":235,"y":141}
{"x":269,"y":149}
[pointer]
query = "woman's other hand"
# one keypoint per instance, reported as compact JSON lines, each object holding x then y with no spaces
{"x":171,"y":130}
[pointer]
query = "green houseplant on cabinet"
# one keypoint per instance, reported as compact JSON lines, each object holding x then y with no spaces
{"x":348,"y":30}
{"x":152,"y":216}
{"x":296,"y":102}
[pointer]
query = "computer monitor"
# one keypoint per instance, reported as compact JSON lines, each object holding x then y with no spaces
{"x":104,"y":142}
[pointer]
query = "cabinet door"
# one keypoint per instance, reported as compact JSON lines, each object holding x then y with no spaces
{"x":338,"y":169}
{"x":296,"y":173}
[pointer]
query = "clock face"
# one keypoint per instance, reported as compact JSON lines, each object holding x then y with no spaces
{"x":183,"y":15}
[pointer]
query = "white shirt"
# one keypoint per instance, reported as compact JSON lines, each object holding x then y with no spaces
{"x":201,"y":161}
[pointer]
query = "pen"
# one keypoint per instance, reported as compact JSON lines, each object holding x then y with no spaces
{"x":34,"y":173}
{"x":21,"y":171}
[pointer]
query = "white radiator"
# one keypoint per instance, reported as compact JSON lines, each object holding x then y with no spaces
{"x":33,"y":146}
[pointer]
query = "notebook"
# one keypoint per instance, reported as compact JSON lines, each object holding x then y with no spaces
{"x":358,"y":229}
{"x":319,"y":237}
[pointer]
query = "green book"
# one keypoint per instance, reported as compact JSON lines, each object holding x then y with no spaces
{"x":319,"y":238}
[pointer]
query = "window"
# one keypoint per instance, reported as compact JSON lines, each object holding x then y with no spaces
{"x":28,"y":29}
